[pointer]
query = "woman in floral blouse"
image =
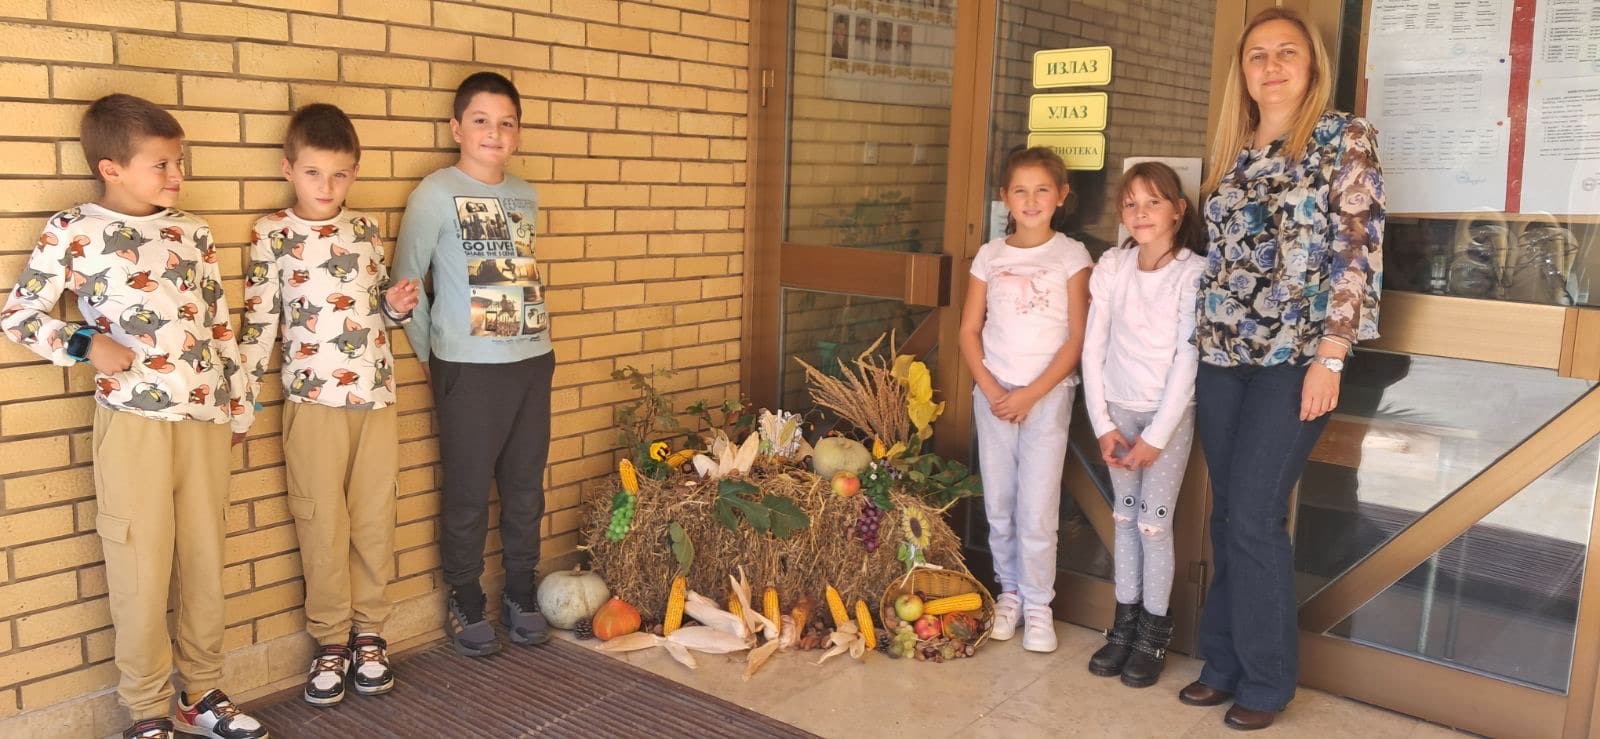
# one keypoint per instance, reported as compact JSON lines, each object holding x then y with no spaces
{"x":1295,"y":218}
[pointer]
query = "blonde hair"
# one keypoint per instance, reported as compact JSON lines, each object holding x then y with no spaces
{"x":1239,"y":117}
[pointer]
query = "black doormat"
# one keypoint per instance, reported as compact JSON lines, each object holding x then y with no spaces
{"x":557,"y":689}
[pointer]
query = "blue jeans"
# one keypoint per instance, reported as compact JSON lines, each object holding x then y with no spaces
{"x":1256,"y":446}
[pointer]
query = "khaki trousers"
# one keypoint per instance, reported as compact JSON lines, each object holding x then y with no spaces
{"x":342,"y":464}
{"x":162,"y":490}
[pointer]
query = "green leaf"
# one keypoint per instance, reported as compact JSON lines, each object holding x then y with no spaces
{"x":682,"y":547}
{"x":731,"y":488}
{"x":757,"y":515}
{"x":724,"y":512}
{"x":786,"y":517}
{"x":903,"y":553}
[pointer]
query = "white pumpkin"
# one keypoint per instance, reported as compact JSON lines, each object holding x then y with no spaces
{"x":567,"y":596}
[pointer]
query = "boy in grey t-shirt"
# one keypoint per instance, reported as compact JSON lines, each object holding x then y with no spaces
{"x":483,"y":335}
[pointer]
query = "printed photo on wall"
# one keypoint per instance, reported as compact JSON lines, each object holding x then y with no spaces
{"x":885,"y":42}
{"x":861,"y":45}
{"x":841,"y":36}
{"x":481,"y":219}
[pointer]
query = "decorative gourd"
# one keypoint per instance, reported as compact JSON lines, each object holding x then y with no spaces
{"x":959,"y":626}
{"x":837,"y":454}
{"x":614,"y":619}
{"x":567,"y":596}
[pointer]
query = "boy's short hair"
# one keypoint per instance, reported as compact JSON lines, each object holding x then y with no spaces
{"x":113,"y":125}
{"x":490,"y":82}
{"x":321,"y":126}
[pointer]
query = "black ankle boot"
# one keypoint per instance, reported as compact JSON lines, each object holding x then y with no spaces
{"x":1108,"y":661}
{"x":1149,"y":651}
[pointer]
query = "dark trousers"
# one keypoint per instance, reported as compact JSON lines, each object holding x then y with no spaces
{"x":1248,"y":420}
{"x":494,"y":424}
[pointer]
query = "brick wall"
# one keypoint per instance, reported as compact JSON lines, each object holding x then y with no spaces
{"x":635,"y":116}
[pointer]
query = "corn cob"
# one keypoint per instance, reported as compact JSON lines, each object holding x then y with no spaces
{"x":734,"y":607}
{"x":769,"y":606}
{"x":630,"y":476}
{"x":864,"y":620}
{"x":658,"y":451}
{"x":674,"y":617}
{"x":954,"y":603}
{"x":836,"y":609}
{"x":801,"y":613}
{"x":680,"y":458}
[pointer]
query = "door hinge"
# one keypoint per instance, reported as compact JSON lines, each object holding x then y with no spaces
{"x":766,"y":84}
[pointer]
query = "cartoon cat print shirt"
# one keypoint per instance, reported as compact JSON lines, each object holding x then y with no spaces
{"x":152,"y":284}
{"x":321,"y":284}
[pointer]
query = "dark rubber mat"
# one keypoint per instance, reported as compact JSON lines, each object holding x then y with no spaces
{"x":557,"y":689}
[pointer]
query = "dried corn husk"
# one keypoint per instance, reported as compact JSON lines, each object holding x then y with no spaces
{"x":644,"y":640}
{"x":845,"y":639}
{"x":788,"y":634}
{"x":759,"y":657}
{"x":706,"y":611}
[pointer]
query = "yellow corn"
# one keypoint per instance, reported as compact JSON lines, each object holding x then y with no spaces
{"x":680,"y":458}
{"x":954,"y":603}
{"x":658,"y":451}
{"x":864,"y":620}
{"x":836,"y":609}
{"x":769,"y":607}
{"x":734,"y":607}
{"x":674,"y":617}
{"x":630,"y":476}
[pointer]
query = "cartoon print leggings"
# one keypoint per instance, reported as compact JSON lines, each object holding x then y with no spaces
{"x":1144,"y":511}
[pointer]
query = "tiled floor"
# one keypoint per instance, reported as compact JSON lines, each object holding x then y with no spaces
{"x":1004,"y":692}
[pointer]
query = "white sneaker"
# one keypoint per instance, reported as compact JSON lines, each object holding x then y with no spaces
{"x":1007,"y":613}
{"x":1039,"y":633}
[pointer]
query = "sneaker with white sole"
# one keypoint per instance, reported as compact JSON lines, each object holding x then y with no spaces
{"x":215,"y":716}
{"x":150,"y":728}
{"x":371,"y":673}
{"x":325,"y":680}
{"x":1039,"y":629}
{"x":1007,"y":613}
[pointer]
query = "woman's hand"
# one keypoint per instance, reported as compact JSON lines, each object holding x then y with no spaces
{"x":1319,"y":393}
{"x":1141,"y":456}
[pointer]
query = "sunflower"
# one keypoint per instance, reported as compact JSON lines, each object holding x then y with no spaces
{"x":914,"y":523}
{"x":659,"y":451}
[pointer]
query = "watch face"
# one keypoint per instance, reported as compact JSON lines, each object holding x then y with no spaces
{"x":1337,"y":365}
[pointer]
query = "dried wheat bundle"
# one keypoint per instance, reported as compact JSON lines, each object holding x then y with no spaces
{"x":869,"y":397}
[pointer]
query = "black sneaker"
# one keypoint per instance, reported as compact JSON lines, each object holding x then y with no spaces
{"x":371,"y":674}
{"x":215,"y":716}
{"x":470,"y":633}
{"x":523,"y":620}
{"x":325,"y":682}
{"x":150,"y":728}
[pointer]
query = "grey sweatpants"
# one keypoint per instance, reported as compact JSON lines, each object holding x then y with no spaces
{"x":1143,"y":512}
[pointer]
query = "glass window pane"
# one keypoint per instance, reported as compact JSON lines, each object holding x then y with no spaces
{"x":1409,"y":430}
{"x":869,"y":123}
{"x":1502,"y":598}
{"x":824,"y":327}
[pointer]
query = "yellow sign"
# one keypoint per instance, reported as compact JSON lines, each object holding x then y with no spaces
{"x":1069,"y":111}
{"x":1080,"y":150}
{"x":1090,"y":65}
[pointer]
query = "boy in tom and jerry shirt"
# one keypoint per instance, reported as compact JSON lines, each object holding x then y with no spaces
{"x":317,"y":273}
{"x":169,"y":385}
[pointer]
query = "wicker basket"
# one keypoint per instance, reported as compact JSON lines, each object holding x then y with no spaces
{"x":934,"y":584}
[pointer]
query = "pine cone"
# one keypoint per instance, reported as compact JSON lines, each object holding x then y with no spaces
{"x":583,"y":629}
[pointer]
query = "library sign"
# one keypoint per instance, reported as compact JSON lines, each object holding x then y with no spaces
{"x":1071,"y":123}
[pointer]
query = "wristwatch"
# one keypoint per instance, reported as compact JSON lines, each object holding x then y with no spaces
{"x":1334,"y":365}
{"x":78,"y":345}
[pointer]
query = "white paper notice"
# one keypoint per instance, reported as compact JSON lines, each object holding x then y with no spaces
{"x":1443,"y":136}
{"x":1408,"y":30}
{"x":1561,"y":166}
{"x":1566,"y":38}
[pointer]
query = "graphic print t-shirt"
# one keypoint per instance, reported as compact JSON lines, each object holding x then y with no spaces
{"x":1026,"y":322}
{"x":487,"y":302}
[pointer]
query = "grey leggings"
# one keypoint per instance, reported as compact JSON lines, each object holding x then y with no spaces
{"x":1143,"y":512}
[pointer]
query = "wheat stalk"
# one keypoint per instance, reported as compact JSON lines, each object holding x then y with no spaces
{"x":869,"y":397}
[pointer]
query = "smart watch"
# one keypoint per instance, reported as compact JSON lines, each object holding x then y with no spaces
{"x":78,"y":345}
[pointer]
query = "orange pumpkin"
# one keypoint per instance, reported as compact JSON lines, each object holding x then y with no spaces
{"x":614,"y":619}
{"x":960,"y":626}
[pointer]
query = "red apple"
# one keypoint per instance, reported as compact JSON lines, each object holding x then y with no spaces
{"x":846,"y":484}
{"x":908,"y":607}
{"x":928,"y":627}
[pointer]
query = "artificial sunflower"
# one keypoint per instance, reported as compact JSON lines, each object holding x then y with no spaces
{"x":659,"y":451}
{"x":914,"y":524}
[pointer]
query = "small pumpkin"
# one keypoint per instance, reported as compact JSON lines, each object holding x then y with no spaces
{"x":960,"y":626}
{"x":836,"y":454}
{"x":614,"y":619}
{"x":570,"y":595}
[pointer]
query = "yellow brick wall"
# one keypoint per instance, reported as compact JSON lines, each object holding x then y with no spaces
{"x":635,"y":116}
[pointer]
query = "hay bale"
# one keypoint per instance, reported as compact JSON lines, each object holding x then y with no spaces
{"x":640,"y":568}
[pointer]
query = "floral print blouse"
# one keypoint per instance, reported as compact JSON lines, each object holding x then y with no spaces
{"x":1295,"y":249}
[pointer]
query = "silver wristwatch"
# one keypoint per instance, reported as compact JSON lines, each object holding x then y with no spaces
{"x":1334,"y":365}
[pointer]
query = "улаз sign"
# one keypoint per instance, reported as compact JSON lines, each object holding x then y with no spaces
{"x":1069,"y":111}
{"x":1087,"y":66}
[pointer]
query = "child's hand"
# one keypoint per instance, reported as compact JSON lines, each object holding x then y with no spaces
{"x":238,"y":436}
{"x":1014,"y":405}
{"x":402,"y":296}
{"x":1110,"y":444}
{"x":109,"y":357}
{"x":1141,"y":456}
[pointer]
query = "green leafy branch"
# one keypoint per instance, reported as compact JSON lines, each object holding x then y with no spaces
{"x":768,"y":514}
